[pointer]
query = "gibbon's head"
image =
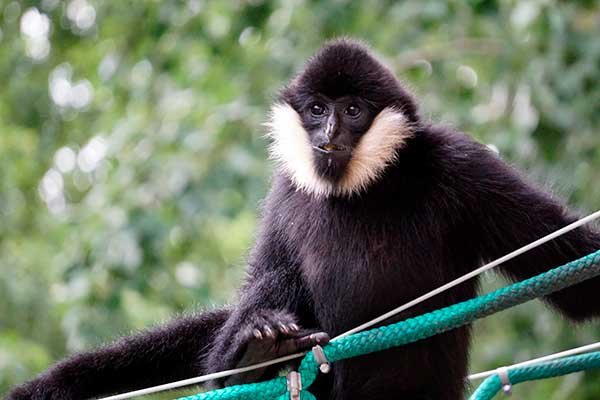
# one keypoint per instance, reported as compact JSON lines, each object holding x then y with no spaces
{"x":340,"y":122}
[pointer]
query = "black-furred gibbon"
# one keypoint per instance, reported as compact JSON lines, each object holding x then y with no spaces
{"x":370,"y":207}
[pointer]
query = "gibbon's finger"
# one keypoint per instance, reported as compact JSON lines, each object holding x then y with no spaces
{"x":270,"y":333}
{"x":256,"y":351}
{"x":290,"y":331}
{"x":283,"y":328}
{"x":293,"y":345}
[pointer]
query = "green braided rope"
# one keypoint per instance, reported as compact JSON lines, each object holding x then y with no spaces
{"x":267,"y":390}
{"x":304,"y":395}
{"x":421,"y":327}
{"x":492,"y":385}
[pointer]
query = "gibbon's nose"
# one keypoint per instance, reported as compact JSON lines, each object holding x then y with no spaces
{"x":331,"y":127}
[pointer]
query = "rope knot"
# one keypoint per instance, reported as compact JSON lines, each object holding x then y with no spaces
{"x":321,"y":359}
{"x":294,"y":385}
{"x":504,"y":380}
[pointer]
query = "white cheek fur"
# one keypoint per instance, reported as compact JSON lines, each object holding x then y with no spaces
{"x":292,"y":150}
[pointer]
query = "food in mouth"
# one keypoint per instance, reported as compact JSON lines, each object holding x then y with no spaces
{"x":330,"y":147}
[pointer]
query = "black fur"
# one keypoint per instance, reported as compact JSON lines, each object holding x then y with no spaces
{"x":346,"y":68}
{"x":157,"y":356}
{"x":447,"y":205}
{"x":330,"y":263}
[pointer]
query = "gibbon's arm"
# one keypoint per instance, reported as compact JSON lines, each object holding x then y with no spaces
{"x":150,"y":358}
{"x":274,"y":316}
{"x":510,"y":213}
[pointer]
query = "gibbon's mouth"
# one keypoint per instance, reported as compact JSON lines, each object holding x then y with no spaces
{"x":330,"y":148}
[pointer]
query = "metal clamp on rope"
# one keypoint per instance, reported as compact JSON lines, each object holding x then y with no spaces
{"x":321,"y":359}
{"x":294,"y":385}
{"x":504,"y":380}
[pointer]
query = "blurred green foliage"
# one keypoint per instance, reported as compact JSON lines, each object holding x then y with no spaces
{"x":132,"y":162}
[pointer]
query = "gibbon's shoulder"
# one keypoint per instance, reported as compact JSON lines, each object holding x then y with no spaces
{"x":452,"y":150}
{"x":467,"y":166}
{"x":451,"y":142}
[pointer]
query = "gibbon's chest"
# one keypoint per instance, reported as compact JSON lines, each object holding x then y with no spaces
{"x":361,"y":260}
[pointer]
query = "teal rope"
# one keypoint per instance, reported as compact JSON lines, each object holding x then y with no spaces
{"x":304,"y":395}
{"x":421,"y":327}
{"x":492,"y":385}
{"x":267,"y":390}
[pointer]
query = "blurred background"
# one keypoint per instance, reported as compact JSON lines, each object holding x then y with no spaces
{"x":132,"y":157}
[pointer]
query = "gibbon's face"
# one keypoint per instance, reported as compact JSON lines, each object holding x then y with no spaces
{"x":334,"y":127}
{"x":341,"y":122}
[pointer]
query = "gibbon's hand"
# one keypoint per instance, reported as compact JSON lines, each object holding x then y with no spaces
{"x":268,"y":335}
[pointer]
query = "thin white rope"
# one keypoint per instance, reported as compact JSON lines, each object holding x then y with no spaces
{"x":550,"y":357}
{"x":200,"y":379}
{"x":472,"y":274}
{"x":235,"y":371}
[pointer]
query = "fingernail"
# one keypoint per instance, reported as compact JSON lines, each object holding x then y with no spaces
{"x":283,"y":328}
{"x":268,"y":331}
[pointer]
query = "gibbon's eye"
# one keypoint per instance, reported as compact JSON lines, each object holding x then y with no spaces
{"x":352,"y":110}
{"x":317,"y":109}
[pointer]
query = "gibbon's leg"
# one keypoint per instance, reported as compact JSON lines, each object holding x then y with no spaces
{"x":160,"y":355}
